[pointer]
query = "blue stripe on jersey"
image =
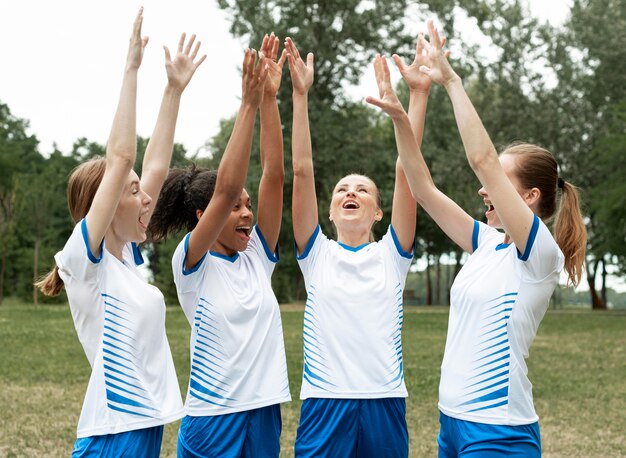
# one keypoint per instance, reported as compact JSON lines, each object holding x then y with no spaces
{"x":404,"y":254}
{"x":197,"y":266}
{"x":85,"y":232}
{"x":475,"y":232}
{"x":314,"y":348}
{"x":137,"y":257}
{"x":531,"y":239}
{"x":123,"y":387}
{"x":396,"y":365}
{"x":274,"y":257}
{"x":309,"y":244}
{"x":492,"y":358}
{"x":208,"y":376}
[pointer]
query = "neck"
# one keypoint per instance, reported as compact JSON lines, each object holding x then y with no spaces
{"x":114,"y":245}
{"x":353,"y":238}
{"x":221,"y":249}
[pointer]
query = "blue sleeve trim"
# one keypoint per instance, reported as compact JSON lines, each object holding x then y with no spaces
{"x":475,"y":235}
{"x":531,"y":239}
{"x":90,"y":255}
{"x":138,"y":258}
{"x":274,"y":257}
{"x":197,"y":266}
{"x":404,"y":254}
{"x":309,"y":244}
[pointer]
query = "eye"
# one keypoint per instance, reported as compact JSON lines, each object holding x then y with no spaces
{"x":135,"y":191}
{"x":363,"y":190}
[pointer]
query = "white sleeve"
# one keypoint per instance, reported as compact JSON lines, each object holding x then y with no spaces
{"x":542,"y":256}
{"x":308,"y":258}
{"x":188,"y":281}
{"x":402,"y":259}
{"x":76,"y":261}
{"x":483,"y":232}
{"x":262,"y":251}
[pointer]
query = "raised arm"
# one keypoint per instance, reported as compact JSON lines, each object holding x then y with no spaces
{"x":121,"y":147}
{"x":304,"y":202}
{"x":156,"y":162}
{"x":270,"y":206}
{"x":515,"y":215}
{"x":448,"y":215}
{"x":233,"y":169}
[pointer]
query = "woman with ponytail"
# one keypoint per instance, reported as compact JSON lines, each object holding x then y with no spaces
{"x":120,"y":318}
{"x":502,"y":292}
{"x":222,"y":269}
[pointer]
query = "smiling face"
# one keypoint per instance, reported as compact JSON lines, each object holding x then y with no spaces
{"x":236,"y":232}
{"x":127,"y":225}
{"x":355,"y":204}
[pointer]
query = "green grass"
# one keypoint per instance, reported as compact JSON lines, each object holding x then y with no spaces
{"x":577,"y":365}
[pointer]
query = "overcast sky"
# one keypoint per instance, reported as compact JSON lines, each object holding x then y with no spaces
{"x":62,"y":64}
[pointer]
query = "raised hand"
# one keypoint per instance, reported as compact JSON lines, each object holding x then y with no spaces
{"x":269,"y":49}
{"x":414,"y":78}
{"x":137,"y":43}
{"x":302,"y":74}
{"x":182,"y":67}
{"x":253,"y":78}
{"x":388,"y":100}
{"x":438,"y":68}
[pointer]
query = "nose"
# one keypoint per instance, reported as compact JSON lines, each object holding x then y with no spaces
{"x":351,"y":192}
{"x":147,"y":200}
{"x":482,"y":192}
{"x":247,"y":213}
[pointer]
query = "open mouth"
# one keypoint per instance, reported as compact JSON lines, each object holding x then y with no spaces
{"x":244,"y":230}
{"x":490,"y":209}
{"x":142,"y":224}
{"x":350,"y":205}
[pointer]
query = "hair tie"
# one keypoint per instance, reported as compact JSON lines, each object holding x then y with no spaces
{"x":560,"y":183}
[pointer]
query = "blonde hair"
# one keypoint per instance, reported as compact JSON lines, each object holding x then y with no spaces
{"x":537,"y":168}
{"x":81,"y":189}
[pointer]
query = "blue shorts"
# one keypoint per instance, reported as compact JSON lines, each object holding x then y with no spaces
{"x":353,"y":428}
{"x":141,"y":443}
{"x":460,"y":438}
{"x":252,"y":433}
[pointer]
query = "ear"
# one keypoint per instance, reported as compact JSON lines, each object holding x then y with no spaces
{"x":532,"y":197}
{"x":378,"y":215}
{"x":199,"y":214}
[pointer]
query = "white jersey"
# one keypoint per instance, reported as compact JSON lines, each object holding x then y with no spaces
{"x":353,"y":318}
{"x":497,"y":302}
{"x":237,"y":349}
{"x":120,"y":322}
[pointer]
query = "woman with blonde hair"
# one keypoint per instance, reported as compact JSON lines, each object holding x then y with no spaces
{"x":120,"y":318}
{"x":502,"y":292}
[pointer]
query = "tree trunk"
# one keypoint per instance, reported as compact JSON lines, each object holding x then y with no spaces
{"x":3,"y":268}
{"x":36,"y":271}
{"x":596,"y":300}
{"x":438,"y":280}
{"x":603,"y":287}
{"x":429,"y":286}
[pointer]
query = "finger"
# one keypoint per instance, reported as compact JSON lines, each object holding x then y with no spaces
{"x":374,"y":101}
{"x":275,"y":46}
{"x":181,"y":42}
{"x":245,"y":66}
{"x":195,"y":51}
{"x":419,"y":45}
{"x":399,"y":63}
{"x":200,"y":61}
{"x":386,"y":74}
{"x":425,"y":44}
{"x":144,"y":42}
{"x":138,"y":22}
{"x":443,"y":41}
{"x":190,"y":44}
{"x":309,"y":60}
{"x":252,"y":62}
{"x":281,"y":61}
{"x":264,"y":43}
{"x":260,"y":64}
{"x":168,"y":58}
{"x":434,"y":34}
{"x":263,"y":74}
{"x":294,"y":50}
{"x":446,"y":54}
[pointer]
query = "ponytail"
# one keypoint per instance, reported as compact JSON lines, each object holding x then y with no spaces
{"x":184,"y":192}
{"x":50,"y":284}
{"x":570,"y":232}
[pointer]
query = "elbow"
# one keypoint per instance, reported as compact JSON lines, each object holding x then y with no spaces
{"x":120,"y":157}
{"x":483,"y":161}
{"x":302,"y":170}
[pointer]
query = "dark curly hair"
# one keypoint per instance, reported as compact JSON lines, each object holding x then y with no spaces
{"x":185,"y":191}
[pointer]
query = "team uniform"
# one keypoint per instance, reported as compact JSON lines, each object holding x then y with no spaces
{"x":353,"y":380}
{"x":120,"y":321}
{"x":497,"y":302}
{"x":238,"y":365}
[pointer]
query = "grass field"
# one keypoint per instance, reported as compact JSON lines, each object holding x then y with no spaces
{"x":577,"y":365}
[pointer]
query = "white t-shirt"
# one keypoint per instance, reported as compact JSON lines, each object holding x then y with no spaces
{"x":237,"y":349}
{"x":497,"y":302}
{"x":120,"y":322}
{"x":353,"y":318}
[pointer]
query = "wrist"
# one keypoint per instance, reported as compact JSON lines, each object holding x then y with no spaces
{"x":300,"y":94}
{"x":452,"y":82}
{"x":172,"y":90}
{"x":419,"y":91}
